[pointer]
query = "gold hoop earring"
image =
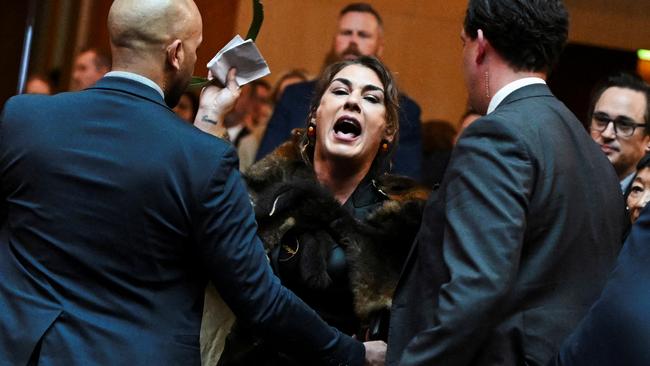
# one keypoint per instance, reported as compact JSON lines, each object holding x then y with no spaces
{"x":487,"y":85}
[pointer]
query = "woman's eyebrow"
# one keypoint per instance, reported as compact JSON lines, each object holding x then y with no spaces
{"x":348,"y":83}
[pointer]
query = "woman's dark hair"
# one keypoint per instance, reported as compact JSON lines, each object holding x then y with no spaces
{"x":390,"y":102}
{"x":529,"y":34}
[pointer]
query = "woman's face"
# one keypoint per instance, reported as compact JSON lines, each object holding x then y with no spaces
{"x":639,"y":194}
{"x":351,"y":117}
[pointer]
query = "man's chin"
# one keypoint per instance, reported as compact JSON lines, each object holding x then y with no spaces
{"x":350,"y":56}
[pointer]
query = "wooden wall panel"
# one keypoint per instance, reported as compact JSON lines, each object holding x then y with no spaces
{"x":219,"y":17}
{"x":422,"y":40}
{"x":12,"y":27}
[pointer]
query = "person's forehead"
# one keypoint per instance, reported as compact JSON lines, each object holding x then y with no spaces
{"x":643,"y":177}
{"x":86,"y":57}
{"x":622,"y":99}
{"x":358,"y":20}
{"x":359,"y":76}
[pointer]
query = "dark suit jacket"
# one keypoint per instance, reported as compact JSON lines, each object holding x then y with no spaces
{"x":292,"y":111}
{"x":616,"y":331}
{"x":115,"y":213}
{"x":516,"y":244}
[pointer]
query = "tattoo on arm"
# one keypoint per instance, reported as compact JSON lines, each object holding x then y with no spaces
{"x":207,"y":119}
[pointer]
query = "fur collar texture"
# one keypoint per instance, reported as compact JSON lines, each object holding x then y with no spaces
{"x":287,"y":196}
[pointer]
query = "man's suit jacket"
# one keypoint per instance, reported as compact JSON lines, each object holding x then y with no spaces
{"x":114,"y":214}
{"x":616,"y":331}
{"x":292,"y":111}
{"x":515,"y":245}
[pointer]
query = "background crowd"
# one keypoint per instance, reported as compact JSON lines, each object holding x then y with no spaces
{"x":494,"y":243}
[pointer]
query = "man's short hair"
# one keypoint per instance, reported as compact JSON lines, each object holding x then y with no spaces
{"x":101,"y":59}
{"x":626,"y":80}
{"x":362,"y":8}
{"x":529,"y":34}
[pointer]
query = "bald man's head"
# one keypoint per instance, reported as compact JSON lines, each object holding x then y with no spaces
{"x":157,"y":39}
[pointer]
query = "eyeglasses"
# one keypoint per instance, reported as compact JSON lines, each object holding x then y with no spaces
{"x":623,"y":126}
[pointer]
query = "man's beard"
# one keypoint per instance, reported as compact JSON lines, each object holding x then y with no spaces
{"x":173,"y":95}
{"x":351,"y":52}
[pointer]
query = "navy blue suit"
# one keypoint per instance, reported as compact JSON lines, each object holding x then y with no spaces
{"x":292,"y":111}
{"x":115,"y":213}
{"x":616,"y":331}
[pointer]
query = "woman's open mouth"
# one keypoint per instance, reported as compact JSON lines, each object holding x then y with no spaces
{"x":347,"y":128}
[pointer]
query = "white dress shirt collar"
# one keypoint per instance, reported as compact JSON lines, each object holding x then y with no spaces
{"x":509,"y":88}
{"x":139,"y":78}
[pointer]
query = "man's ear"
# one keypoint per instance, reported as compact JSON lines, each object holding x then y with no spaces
{"x":646,"y":142}
{"x":482,"y":45}
{"x":175,"y":54}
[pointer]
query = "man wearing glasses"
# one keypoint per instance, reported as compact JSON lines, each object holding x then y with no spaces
{"x":619,"y":113}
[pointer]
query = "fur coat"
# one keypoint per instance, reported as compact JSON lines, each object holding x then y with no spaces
{"x":287,"y":196}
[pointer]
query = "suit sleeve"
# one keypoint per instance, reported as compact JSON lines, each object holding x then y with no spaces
{"x":487,"y":194}
{"x":616,"y":330}
{"x":240,"y":270}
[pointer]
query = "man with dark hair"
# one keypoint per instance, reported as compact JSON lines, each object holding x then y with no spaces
{"x":618,"y":115}
{"x":517,"y":242}
{"x":360,"y":33}
{"x":113,"y":221}
{"x":89,"y":66}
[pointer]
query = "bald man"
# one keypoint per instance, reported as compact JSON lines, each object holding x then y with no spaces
{"x":112,"y":222}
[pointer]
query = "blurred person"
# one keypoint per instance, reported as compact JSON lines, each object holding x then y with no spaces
{"x":250,"y":108}
{"x":105,"y":253}
{"x":336,"y":227}
{"x":89,"y":66}
{"x":518,"y":241}
{"x":465,"y":120}
{"x":291,"y":77}
{"x":261,"y":108}
{"x":359,"y":33}
{"x":618,"y":114}
{"x":187,"y":106}
{"x":38,"y":84}
{"x":638,"y":194}
{"x":437,"y":142}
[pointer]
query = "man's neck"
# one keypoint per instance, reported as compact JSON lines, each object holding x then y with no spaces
{"x":143,"y":67}
{"x":498,"y":80}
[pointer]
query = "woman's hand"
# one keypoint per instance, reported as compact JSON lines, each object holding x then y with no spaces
{"x":215,"y":103}
{"x":375,"y":353}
